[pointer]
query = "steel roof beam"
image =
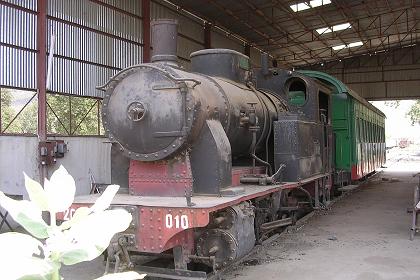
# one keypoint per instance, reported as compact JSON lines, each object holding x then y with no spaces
{"x":261,"y":14}
{"x":393,"y":16}
{"x":389,"y":26}
{"x":355,"y":21}
{"x":345,"y":37}
{"x":374,"y":24}
{"x":324,"y":50}
{"x":349,"y":9}
{"x":300,"y":21}
{"x":336,"y":33}
{"x":295,"y":45}
{"x":262,"y":34}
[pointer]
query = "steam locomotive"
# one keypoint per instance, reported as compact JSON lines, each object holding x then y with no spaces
{"x":212,"y":160}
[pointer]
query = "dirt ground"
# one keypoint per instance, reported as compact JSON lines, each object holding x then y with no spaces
{"x":364,"y":236}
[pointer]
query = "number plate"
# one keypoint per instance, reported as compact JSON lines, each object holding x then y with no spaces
{"x":177,"y":221}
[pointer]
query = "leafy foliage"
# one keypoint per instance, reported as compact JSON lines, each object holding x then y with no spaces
{"x":414,"y":113}
{"x":66,"y":115}
{"x":393,"y":104}
{"x":72,"y":115}
{"x":6,"y":106}
{"x":82,"y":238}
{"x":25,"y":122}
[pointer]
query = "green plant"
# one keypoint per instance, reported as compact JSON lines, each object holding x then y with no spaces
{"x":84,"y":237}
{"x":414,"y":113}
{"x":66,"y":114}
{"x":25,"y":122}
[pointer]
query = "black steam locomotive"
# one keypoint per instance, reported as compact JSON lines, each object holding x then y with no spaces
{"x":213,"y":160}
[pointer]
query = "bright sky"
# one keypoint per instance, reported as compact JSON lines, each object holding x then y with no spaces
{"x":397,"y":124}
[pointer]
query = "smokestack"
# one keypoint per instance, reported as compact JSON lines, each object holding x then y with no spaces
{"x":164,"y":40}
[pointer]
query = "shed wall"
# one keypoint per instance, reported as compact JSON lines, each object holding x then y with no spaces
{"x":19,"y":154}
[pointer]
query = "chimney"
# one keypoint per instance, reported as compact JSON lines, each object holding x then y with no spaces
{"x":164,"y":41}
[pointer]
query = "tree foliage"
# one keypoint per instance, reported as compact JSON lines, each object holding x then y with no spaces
{"x":392,"y":104}
{"x":6,"y":106}
{"x":414,"y":113}
{"x":66,"y":115}
{"x":72,"y":115}
{"x":25,"y":122}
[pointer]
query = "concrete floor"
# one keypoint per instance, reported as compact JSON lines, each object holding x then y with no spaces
{"x":364,"y":236}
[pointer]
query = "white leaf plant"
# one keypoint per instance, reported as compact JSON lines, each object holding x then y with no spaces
{"x":40,"y":254}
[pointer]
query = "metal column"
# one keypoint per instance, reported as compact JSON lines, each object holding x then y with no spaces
{"x":145,"y":8}
{"x":41,"y":72}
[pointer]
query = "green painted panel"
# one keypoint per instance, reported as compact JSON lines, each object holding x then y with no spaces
{"x":342,"y":131}
{"x":353,"y":121}
{"x":297,"y":98}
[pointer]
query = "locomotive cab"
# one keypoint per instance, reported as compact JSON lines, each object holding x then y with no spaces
{"x":303,"y":134}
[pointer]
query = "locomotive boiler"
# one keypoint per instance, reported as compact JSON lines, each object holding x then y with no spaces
{"x":213,"y":160}
{"x":160,"y":112}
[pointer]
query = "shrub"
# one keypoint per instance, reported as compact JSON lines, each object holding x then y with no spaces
{"x":39,"y":254}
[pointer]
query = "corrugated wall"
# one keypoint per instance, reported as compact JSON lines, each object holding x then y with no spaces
{"x":18,"y":44}
{"x":221,"y":40}
{"x":87,"y":155}
{"x":94,"y":40}
{"x":390,"y":75}
{"x":255,"y":57}
{"x":191,"y":34}
{"x":27,"y":4}
{"x":190,"y":31}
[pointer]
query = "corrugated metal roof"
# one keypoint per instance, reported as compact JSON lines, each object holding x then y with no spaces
{"x":290,"y":36}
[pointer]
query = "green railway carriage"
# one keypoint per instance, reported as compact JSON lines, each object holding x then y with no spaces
{"x":359,"y":130}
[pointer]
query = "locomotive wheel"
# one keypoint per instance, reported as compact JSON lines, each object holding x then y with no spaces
{"x":218,"y":243}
